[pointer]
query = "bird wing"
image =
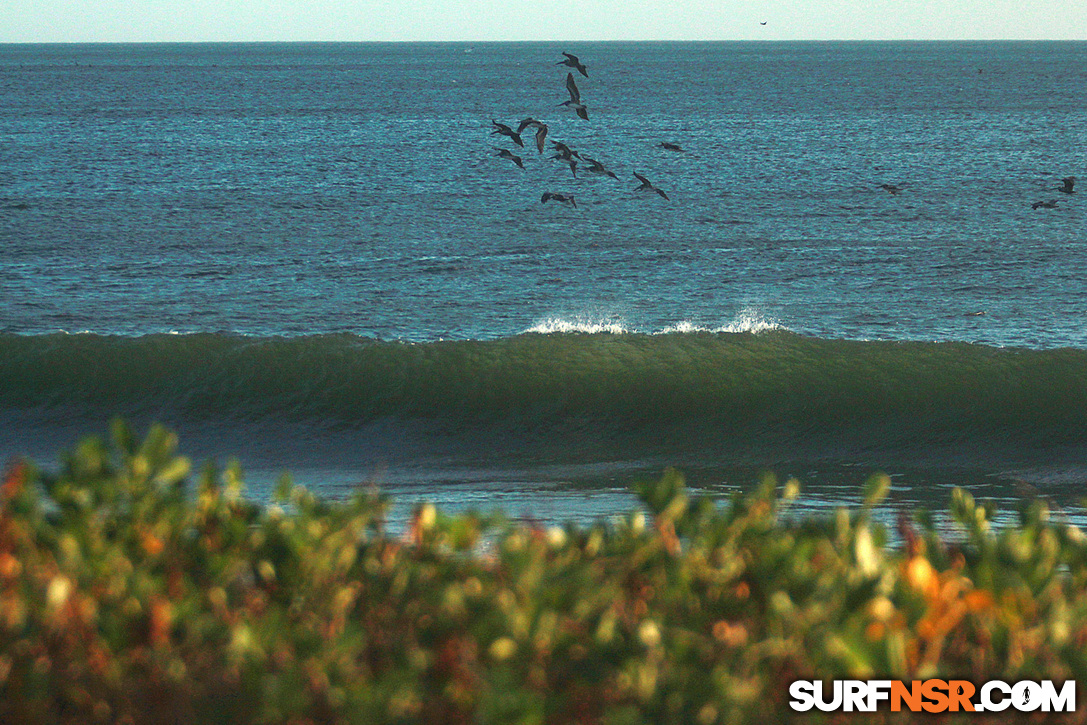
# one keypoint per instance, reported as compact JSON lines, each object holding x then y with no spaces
{"x":541,"y":134}
{"x":582,"y":112}
{"x":575,"y":94}
{"x":645,"y":181}
{"x":572,"y":57}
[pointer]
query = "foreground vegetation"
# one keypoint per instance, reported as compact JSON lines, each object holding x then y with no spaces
{"x":130,"y":592}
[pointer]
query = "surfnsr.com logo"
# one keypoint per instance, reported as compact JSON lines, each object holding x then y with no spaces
{"x":932,"y":696}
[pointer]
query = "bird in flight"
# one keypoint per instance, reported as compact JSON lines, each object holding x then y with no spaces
{"x":505,"y":130}
{"x":647,"y":185}
{"x":563,"y":151}
{"x":573,"y":62}
{"x":541,"y":131}
{"x":596,"y":167}
{"x":575,"y":98}
{"x":1049,"y":204}
{"x":890,"y":188}
{"x":562,"y":198}
{"x":567,"y":154}
{"x":1069,"y":185}
{"x":512,"y":157}
{"x":670,"y":146}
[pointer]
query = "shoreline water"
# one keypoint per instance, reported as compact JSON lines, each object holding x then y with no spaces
{"x":552,"y":491}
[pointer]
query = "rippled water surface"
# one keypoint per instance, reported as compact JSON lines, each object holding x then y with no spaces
{"x":278,"y":191}
{"x":296,"y":189}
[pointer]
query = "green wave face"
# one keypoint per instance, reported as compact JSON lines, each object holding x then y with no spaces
{"x":701,"y":386}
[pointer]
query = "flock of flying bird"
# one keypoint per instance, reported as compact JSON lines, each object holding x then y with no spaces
{"x":573,"y":158}
{"x":563,"y":152}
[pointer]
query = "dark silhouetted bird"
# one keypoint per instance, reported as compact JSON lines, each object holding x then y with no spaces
{"x":563,"y":198}
{"x":1048,"y":204}
{"x":509,"y":155}
{"x":1069,"y":185}
{"x":526,"y":123}
{"x":596,"y":167}
{"x":573,"y":62}
{"x":564,"y":152}
{"x":575,"y":98}
{"x":890,"y":188}
{"x":505,"y":130}
{"x":670,"y":146}
{"x":541,"y":131}
{"x":647,"y":186}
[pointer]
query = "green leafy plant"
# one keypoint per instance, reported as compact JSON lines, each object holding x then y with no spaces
{"x":132,"y":590}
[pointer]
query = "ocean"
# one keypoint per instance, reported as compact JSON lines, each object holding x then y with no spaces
{"x":312,"y":257}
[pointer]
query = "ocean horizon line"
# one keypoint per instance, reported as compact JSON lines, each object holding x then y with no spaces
{"x":492,"y":42}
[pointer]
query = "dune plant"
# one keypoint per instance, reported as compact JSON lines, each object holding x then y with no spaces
{"x":132,"y":590}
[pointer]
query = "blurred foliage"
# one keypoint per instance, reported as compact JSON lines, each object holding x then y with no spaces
{"x":132,"y":591}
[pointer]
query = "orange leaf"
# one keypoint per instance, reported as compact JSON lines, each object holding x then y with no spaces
{"x":978,"y":600}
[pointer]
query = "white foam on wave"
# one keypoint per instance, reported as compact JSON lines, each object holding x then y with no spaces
{"x":683,"y":327}
{"x":746,"y":321}
{"x":750,"y":321}
{"x":584,"y":325}
{"x":97,"y":333}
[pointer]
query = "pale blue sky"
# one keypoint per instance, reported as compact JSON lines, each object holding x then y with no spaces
{"x":347,"y":20}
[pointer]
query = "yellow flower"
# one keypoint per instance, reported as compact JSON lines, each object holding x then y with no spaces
{"x":503,"y":648}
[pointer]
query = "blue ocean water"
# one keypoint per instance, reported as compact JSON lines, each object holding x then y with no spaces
{"x":311,"y":255}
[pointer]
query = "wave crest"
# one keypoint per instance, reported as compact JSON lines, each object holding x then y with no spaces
{"x":747,"y":321}
{"x":577,"y":325}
